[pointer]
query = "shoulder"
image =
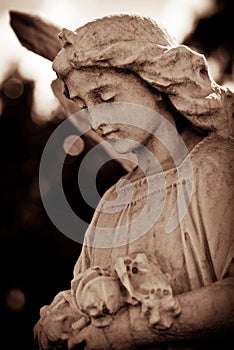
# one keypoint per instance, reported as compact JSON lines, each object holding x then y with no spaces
{"x":213,"y":169}
{"x":214,"y":154}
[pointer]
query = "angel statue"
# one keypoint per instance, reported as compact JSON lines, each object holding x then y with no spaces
{"x":135,"y":284}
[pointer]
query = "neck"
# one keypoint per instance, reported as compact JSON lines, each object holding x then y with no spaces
{"x":159,"y":158}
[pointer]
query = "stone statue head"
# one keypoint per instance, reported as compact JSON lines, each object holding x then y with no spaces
{"x":142,"y":46}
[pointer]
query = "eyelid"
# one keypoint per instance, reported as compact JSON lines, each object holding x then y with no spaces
{"x":108,"y":96}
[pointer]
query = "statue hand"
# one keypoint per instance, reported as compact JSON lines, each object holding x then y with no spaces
{"x":128,"y":329}
{"x":147,"y":284}
{"x":57,"y":322}
{"x":89,"y":338}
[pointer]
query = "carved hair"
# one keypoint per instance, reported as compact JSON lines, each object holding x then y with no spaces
{"x":144,"y":47}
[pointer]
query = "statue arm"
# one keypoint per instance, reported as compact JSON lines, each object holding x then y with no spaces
{"x":206,"y":312}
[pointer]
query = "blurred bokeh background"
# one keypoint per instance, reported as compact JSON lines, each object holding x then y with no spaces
{"x":36,"y":260}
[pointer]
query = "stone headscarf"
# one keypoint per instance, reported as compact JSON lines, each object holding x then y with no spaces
{"x":142,"y":46}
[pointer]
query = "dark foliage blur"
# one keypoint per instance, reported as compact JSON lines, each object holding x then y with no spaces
{"x":213,"y":36}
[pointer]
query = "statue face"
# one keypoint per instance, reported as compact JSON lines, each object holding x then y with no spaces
{"x":91,"y":86}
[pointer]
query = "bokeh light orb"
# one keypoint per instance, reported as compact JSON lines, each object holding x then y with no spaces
{"x":73,"y":145}
{"x":13,"y":88}
{"x":15,"y":299}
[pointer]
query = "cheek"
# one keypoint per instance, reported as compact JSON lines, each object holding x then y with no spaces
{"x":124,"y":146}
{"x":138,"y":136}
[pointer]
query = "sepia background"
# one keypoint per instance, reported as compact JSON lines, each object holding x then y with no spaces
{"x":36,"y":260}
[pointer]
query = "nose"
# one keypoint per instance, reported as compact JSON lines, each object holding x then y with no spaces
{"x":100,"y":115}
{"x":95,"y":118}
{"x":102,"y":126}
{"x":97,"y":124}
{"x":105,"y":129}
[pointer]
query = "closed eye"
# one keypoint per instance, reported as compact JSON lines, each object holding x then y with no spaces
{"x":103,"y":94}
{"x":110,"y":99}
{"x":108,"y":96}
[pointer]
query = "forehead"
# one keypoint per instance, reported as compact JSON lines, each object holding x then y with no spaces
{"x":86,"y":80}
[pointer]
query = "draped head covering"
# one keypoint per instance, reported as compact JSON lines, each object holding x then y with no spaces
{"x":144,"y":47}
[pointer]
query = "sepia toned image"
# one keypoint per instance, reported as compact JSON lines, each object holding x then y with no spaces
{"x":117,"y":174}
